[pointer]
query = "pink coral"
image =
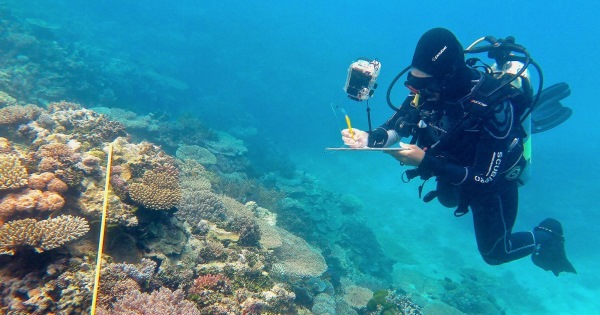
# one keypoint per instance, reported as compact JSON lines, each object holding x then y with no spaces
{"x":56,"y":155}
{"x":48,"y":164}
{"x":90,"y":164}
{"x":8,"y":205}
{"x":57,"y":185}
{"x":211,"y":282}
{"x":39,"y":181}
{"x":163,"y":301}
{"x":50,"y":201}
{"x":29,"y":200}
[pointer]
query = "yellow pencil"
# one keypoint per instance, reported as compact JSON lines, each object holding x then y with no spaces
{"x":349,"y":126}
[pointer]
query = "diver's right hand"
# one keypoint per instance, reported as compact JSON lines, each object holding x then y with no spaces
{"x":359,"y":140}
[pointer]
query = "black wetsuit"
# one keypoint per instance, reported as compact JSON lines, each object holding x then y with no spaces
{"x":472,"y":163}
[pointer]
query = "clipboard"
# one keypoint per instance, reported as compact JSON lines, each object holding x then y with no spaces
{"x":366,"y":149}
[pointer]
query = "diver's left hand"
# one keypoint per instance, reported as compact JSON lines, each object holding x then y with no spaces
{"x":411,"y":155}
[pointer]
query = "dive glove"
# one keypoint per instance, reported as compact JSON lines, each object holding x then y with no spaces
{"x":359,"y":140}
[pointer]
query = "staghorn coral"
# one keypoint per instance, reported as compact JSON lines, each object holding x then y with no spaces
{"x":161,"y":302}
{"x":157,"y":190}
{"x":41,"y":235}
{"x":12,"y":173}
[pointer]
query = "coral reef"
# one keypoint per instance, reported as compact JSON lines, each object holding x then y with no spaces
{"x":41,"y":235}
{"x":17,"y":114}
{"x":160,"y":302}
{"x":296,"y":259}
{"x":157,"y":190}
{"x":12,"y":173}
{"x":226,"y":144}
{"x":357,"y":297}
{"x":120,"y":279}
{"x":392,"y":302}
{"x":196,"y":153}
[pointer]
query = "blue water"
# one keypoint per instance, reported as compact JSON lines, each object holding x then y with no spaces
{"x":277,"y":66}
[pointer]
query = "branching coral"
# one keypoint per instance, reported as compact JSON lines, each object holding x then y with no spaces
{"x":12,"y":173}
{"x":17,"y":114}
{"x":54,"y":156}
{"x":163,"y":301}
{"x":157,"y":190}
{"x":118,"y":280}
{"x":41,"y":235}
{"x":83,"y":124}
{"x":211,"y":282}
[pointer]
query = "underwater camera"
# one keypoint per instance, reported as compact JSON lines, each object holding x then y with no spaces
{"x":362,"y":78}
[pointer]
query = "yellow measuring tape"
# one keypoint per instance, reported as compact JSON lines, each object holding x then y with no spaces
{"x":102,"y":229}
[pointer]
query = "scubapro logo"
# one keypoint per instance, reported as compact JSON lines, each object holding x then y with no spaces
{"x":439,"y":54}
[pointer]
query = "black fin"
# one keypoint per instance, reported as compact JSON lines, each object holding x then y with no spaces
{"x":551,"y":252}
{"x":549,"y":112}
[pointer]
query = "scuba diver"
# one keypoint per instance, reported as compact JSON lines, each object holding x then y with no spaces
{"x":467,"y":131}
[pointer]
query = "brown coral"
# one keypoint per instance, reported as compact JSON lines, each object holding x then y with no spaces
{"x":157,"y":189}
{"x":57,"y":155}
{"x":41,"y":235}
{"x":17,"y":114}
{"x":50,"y":201}
{"x":29,"y":200}
{"x":39,"y":181}
{"x":57,"y":185}
{"x":12,"y":173}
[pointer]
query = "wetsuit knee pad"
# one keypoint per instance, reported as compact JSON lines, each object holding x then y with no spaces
{"x":491,"y":260}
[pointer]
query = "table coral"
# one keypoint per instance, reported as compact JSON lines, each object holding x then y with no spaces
{"x":296,"y":259}
{"x":197,"y":153}
{"x":226,"y":145}
{"x":12,"y":173}
{"x":41,"y":235}
{"x":357,"y":297}
{"x":157,"y":190}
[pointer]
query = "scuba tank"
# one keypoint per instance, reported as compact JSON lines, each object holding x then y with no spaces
{"x":542,"y":112}
{"x":522,"y":83}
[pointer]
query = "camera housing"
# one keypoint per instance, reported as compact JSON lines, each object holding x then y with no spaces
{"x":362,"y":79}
